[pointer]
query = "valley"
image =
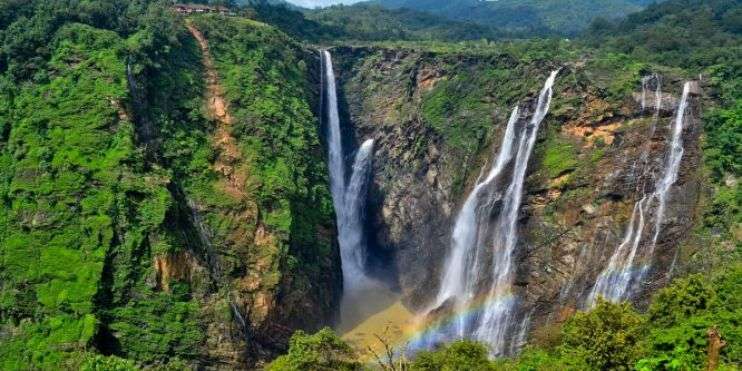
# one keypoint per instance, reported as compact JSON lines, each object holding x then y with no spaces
{"x":282,"y":189}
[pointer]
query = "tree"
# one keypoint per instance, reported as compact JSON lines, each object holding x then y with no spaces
{"x":318,"y":352}
{"x":691,"y":320}
{"x":606,"y":338}
{"x":460,"y":356}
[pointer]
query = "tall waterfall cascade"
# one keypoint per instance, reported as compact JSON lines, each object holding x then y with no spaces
{"x":615,"y":282}
{"x":478,"y":274}
{"x":334,"y":137}
{"x":350,"y":220}
{"x":348,"y":197}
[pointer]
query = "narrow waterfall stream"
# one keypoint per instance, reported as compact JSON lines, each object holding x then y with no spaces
{"x":348,"y":198}
{"x":616,"y":281}
{"x":350,"y":220}
{"x":367,"y":304}
{"x":476,"y":285}
{"x":334,"y":138}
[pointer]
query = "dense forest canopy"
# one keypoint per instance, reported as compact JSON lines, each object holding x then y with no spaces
{"x":533,"y":16}
{"x":114,"y":174}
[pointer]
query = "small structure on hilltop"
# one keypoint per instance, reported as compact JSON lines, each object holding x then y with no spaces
{"x":200,"y":8}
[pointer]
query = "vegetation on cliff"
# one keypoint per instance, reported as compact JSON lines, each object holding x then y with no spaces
{"x":673,"y":335}
{"x":116,"y":236}
{"x":165,"y":200}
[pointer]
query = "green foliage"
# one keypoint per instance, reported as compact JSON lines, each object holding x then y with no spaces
{"x":538,"y":359}
{"x":723,"y":145}
{"x":683,"y":299}
{"x":320,"y":351}
{"x":686,"y":33}
{"x":456,"y":112}
{"x":681,"y":314}
{"x":102,"y":363}
{"x":81,"y":207}
{"x":374,"y":23}
{"x":460,"y":108}
{"x":606,"y":337}
{"x":71,"y":152}
{"x":560,"y":157}
{"x":27,"y":28}
{"x":524,"y":17}
{"x":459,"y":355}
{"x":617,"y":73}
{"x":265,"y":79}
{"x":671,"y":336}
{"x":158,"y":329}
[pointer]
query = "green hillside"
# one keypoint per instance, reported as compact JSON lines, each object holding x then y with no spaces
{"x":564,"y":17}
{"x":165,"y":200}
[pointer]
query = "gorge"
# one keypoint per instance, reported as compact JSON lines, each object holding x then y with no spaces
{"x":255,"y":189}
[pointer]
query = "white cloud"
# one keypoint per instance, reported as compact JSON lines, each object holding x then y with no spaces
{"x":320,"y":3}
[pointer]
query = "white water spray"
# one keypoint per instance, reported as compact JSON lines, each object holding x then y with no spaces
{"x":480,"y":262}
{"x":349,"y":199}
{"x":334,"y":141}
{"x":468,"y":234}
{"x":350,"y":225}
{"x":498,"y":314}
{"x":617,"y":278}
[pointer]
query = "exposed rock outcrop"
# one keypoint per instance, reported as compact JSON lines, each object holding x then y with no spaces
{"x":596,"y":156}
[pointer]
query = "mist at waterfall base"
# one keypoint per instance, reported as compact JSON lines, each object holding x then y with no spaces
{"x":363,"y":296}
{"x":618,"y":280}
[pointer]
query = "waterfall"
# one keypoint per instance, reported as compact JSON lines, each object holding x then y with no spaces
{"x":672,"y":164}
{"x":497,"y":314}
{"x":350,"y":226}
{"x":468,"y":234}
{"x":479,"y":268}
{"x":615,"y":281}
{"x":334,"y":140}
{"x":348,"y":199}
{"x":645,"y":83}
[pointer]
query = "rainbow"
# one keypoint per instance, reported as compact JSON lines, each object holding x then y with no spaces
{"x":428,"y":332}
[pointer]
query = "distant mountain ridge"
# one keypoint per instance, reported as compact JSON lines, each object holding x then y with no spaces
{"x":538,"y":16}
{"x":374,"y":22}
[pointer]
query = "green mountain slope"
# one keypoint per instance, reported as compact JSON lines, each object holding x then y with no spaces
{"x":533,"y":16}
{"x":136,"y":222}
{"x":369,"y":22}
{"x":164,"y":198}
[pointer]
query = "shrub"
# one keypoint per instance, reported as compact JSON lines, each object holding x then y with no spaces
{"x":606,"y":338}
{"x":459,"y":355}
{"x":321,"y":351}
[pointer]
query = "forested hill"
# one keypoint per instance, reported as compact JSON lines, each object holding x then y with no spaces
{"x":563,"y":17}
{"x":687,"y":33}
{"x":165,"y":198}
{"x":374,"y":23}
{"x":364,"y":22}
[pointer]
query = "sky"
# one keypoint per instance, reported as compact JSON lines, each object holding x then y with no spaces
{"x":316,"y":3}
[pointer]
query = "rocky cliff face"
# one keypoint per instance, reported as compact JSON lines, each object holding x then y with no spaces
{"x":436,"y":119}
{"x":431,"y":115}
